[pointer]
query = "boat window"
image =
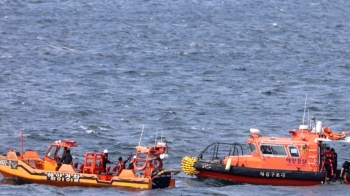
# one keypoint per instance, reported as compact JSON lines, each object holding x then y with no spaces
{"x":52,"y":151}
{"x":274,"y":150}
{"x":252,"y":148}
{"x":60,"y":152}
{"x":293,"y":150}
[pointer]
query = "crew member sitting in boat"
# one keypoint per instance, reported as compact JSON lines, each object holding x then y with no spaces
{"x":67,"y":157}
{"x":106,"y":160}
{"x":266,"y":149}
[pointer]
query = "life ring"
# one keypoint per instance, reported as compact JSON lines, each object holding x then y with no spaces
{"x":157,"y":163}
{"x":143,"y":167}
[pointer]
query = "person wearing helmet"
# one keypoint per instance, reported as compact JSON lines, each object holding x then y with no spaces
{"x":106,"y":160}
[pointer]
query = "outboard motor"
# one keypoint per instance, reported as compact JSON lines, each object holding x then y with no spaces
{"x":161,"y":179}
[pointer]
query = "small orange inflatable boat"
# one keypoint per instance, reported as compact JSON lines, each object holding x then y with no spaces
{"x":301,"y":160}
{"x":148,"y":172}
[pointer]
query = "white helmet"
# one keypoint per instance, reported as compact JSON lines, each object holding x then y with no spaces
{"x":105,"y":151}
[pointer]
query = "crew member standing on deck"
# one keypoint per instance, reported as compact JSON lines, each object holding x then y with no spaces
{"x":328,"y":162}
{"x":105,"y":160}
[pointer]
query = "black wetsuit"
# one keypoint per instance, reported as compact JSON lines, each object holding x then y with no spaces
{"x":346,"y":167}
{"x":105,"y":161}
{"x":335,"y":165}
{"x":131,"y":165}
{"x":67,"y":158}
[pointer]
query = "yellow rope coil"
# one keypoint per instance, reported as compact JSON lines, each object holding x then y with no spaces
{"x":187,"y":165}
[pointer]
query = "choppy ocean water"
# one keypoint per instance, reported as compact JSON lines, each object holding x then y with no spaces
{"x":193,"y":72}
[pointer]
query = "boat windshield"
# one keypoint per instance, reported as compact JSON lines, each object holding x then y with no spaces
{"x":252,"y":147}
{"x":219,"y":151}
{"x":60,"y":152}
{"x":52,"y":152}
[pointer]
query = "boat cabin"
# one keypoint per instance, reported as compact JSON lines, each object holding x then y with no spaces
{"x":300,"y":152}
{"x":55,"y":152}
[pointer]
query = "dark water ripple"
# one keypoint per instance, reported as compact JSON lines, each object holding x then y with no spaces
{"x":192,"y":72}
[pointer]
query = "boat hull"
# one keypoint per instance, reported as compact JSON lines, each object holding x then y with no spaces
{"x":258,"y":176}
{"x":23,"y":173}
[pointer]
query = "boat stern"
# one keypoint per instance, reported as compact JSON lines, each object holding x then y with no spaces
{"x":162,"y":178}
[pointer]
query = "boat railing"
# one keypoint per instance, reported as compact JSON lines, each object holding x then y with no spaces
{"x":219,"y":151}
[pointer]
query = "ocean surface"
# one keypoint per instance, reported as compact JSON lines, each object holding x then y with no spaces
{"x":191,"y":72}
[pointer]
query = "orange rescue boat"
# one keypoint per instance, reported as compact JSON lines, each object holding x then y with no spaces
{"x":148,"y":172}
{"x":300,"y":160}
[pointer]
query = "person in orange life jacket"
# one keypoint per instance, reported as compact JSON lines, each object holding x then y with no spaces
{"x":121,"y":163}
{"x":106,"y":160}
{"x":335,"y":164}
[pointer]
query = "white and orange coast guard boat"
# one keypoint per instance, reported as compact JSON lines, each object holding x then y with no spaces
{"x":295,"y":161}
{"x":148,"y":172}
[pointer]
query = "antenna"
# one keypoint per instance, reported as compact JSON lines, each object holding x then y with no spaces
{"x":155,"y":139}
{"x":304,"y":108}
{"x":313,"y":123}
{"x":22,"y":143}
{"x":143,"y":126}
{"x":308,"y":116}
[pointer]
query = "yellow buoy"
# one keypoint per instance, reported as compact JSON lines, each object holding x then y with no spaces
{"x":187,"y":165}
